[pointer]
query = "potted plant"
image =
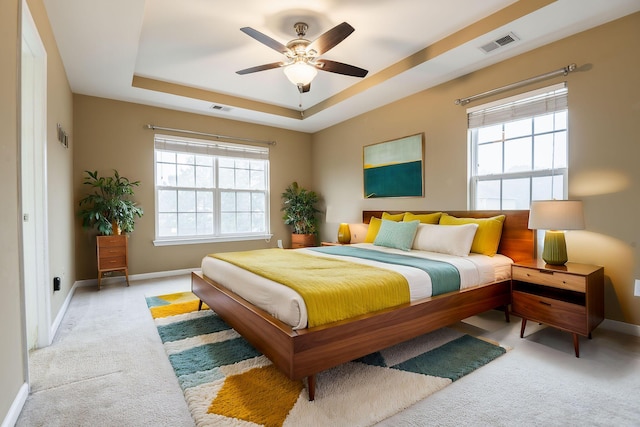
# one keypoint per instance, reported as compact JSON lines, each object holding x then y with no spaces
{"x":109,"y":208}
{"x":298,"y":205}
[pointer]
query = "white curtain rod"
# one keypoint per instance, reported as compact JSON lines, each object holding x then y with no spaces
{"x":566,"y":70}
{"x":213,"y":135}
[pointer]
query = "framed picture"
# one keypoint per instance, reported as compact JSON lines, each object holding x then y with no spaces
{"x":394,"y":168}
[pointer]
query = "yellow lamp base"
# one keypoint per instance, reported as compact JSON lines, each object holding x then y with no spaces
{"x":344,"y":235}
{"x":555,"y":248}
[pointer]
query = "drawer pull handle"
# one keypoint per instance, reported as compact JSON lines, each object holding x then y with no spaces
{"x":544,"y":303}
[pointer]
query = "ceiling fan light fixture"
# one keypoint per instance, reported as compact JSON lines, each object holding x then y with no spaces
{"x":300,"y":73}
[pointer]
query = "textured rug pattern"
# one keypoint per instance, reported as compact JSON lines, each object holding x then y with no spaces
{"x":227,"y":382}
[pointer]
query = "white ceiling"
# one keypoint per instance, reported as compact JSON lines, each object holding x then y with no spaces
{"x":197,"y":44}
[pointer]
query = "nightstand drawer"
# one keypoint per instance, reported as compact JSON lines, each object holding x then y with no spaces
{"x":111,"y":241}
{"x":112,"y":251}
{"x":550,"y":278}
{"x":550,"y":311}
{"x":112,"y":262}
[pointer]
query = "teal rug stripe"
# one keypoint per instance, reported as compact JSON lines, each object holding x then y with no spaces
{"x":454,"y":359}
{"x":156,"y":302}
{"x":199,"y":378}
{"x":191,"y":328}
{"x":373,"y":359}
{"x":210,"y":356}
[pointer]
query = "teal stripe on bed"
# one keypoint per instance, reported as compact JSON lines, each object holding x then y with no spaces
{"x":444,"y":276}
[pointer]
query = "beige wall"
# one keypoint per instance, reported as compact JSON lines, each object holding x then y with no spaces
{"x":12,"y":367}
{"x":111,"y":135}
{"x":59,"y":174}
{"x":604,"y":110}
{"x":60,"y":214}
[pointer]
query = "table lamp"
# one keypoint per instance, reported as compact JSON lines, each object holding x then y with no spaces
{"x":556,"y":216}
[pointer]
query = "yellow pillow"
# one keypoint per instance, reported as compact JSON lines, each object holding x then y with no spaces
{"x":431,"y":218}
{"x":392,"y":217}
{"x":372,"y":231}
{"x":487,"y":236}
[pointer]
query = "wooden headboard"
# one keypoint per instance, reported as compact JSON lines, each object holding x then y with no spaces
{"x":517,"y":241}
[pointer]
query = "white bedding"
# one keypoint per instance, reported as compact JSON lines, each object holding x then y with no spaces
{"x":287,"y":305}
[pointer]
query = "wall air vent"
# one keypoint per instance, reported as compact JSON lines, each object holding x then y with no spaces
{"x":498,"y":43}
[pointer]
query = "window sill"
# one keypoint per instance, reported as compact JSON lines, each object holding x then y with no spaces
{"x":200,"y":240}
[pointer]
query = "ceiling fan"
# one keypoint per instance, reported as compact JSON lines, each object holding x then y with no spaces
{"x":302,"y":55}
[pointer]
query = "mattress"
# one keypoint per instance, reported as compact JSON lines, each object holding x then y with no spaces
{"x":287,"y":305}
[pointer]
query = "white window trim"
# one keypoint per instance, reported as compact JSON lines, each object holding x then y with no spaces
{"x":473,"y":146}
{"x":212,"y":148}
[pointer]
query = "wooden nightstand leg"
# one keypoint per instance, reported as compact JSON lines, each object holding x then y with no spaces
{"x":576,"y":344}
{"x":126,"y":275}
{"x":99,"y":278}
{"x":524,"y":325}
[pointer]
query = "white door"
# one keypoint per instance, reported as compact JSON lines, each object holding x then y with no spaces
{"x":33,"y":184}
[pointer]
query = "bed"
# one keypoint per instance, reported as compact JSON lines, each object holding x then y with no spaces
{"x":302,"y":352}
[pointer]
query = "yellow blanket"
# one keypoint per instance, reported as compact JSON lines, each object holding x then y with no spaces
{"x":332,"y":289}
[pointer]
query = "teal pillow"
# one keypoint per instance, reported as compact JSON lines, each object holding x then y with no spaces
{"x":398,"y":235}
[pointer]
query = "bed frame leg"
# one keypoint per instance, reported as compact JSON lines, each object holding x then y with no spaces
{"x":506,"y":314}
{"x":199,"y":305}
{"x":311,"y":386}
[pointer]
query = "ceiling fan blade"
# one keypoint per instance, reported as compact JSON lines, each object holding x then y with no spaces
{"x":261,"y":68}
{"x":331,"y":38}
{"x":265,"y":39}
{"x":340,"y":68}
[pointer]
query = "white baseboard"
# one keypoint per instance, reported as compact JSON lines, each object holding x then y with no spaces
{"x":63,"y":310}
{"x":11,"y":418}
{"x":143,"y":276}
{"x":622,"y":327}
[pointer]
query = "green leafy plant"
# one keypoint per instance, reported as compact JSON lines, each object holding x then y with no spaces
{"x":298,"y":205}
{"x":109,"y":207}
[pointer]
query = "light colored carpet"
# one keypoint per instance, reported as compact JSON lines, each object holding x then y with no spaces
{"x":107,"y":367}
{"x":226,"y":380}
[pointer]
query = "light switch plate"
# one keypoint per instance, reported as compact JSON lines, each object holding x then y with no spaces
{"x":636,"y":292}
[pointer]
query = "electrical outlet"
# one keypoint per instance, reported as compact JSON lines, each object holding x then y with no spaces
{"x":636,"y":292}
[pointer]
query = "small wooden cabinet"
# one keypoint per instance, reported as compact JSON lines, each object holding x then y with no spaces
{"x":568,"y":297}
{"x":112,"y":255}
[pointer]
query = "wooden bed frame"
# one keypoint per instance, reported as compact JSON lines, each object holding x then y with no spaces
{"x":306,"y":352}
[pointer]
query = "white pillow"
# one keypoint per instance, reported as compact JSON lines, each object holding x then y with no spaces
{"x":358,"y":232}
{"x":446,"y":239}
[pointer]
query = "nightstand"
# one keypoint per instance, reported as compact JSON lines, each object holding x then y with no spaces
{"x":333,"y":244}
{"x":112,"y":255}
{"x":568,"y":297}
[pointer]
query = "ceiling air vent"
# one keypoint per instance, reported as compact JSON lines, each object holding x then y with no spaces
{"x":216,"y":107}
{"x":502,"y":41}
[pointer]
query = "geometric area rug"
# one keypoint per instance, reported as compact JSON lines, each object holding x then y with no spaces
{"x":226,"y":382}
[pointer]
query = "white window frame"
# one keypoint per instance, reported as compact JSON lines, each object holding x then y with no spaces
{"x":503,"y":111}
{"x":216,"y":150}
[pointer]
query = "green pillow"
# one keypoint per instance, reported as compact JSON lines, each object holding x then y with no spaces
{"x":487,"y":238}
{"x":398,"y":235}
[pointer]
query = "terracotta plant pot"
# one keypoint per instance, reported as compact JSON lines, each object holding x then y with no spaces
{"x":303,"y":240}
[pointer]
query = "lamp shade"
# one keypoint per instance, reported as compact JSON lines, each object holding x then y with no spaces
{"x":300,"y":73}
{"x":556,"y":215}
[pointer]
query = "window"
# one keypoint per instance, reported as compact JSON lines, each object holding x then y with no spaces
{"x":519,"y":150}
{"x":208,"y":191}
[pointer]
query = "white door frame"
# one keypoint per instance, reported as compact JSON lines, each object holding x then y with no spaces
{"x":33,"y":183}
